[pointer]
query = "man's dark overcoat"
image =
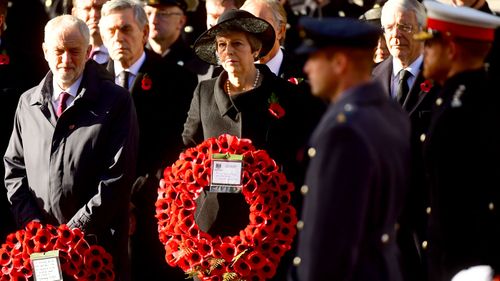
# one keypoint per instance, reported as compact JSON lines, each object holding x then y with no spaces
{"x":77,"y":169}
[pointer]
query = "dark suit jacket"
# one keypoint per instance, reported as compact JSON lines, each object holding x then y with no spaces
{"x":161,"y":112}
{"x":413,"y":221}
{"x":180,"y":53}
{"x":357,"y":178}
{"x":461,"y":149}
{"x":291,"y":67}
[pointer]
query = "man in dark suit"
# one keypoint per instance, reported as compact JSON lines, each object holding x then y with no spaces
{"x":162,"y":93}
{"x":72,"y":153}
{"x":401,"y":19}
{"x":461,"y":145}
{"x":359,"y":160}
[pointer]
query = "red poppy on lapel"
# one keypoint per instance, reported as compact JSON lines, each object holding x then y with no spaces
{"x":426,"y":86}
{"x":4,"y":59}
{"x":146,"y":83}
{"x":295,"y":81}
{"x":274,"y":107}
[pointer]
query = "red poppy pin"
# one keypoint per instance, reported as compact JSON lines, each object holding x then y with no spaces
{"x":4,"y":59}
{"x":426,"y":86}
{"x":274,"y":107}
{"x":295,"y":81}
{"x":146,"y":83}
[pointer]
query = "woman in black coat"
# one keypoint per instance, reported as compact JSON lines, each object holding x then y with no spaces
{"x":248,"y":101}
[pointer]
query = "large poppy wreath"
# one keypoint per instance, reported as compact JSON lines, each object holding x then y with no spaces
{"x":255,"y":252}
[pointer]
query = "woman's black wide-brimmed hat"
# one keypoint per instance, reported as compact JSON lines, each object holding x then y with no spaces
{"x":234,"y":20}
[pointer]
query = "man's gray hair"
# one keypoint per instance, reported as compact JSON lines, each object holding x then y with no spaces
{"x":404,"y":5}
{"x":277,"y":10}
{"x":65,"y":22}
{"x":118,"y":5}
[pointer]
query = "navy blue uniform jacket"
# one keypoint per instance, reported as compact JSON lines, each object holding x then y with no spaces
{"x":356,"y":181}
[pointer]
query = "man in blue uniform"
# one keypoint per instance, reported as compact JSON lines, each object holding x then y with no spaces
{"x":461,"y":147}
{"x":359,"y":160}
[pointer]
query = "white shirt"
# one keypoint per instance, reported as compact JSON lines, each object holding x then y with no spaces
{"x":72,"y":91}
{"x":133,"y":70}
{"x":413,"y":68}
{"x":275,"y":63}
{"x":100,"y":54}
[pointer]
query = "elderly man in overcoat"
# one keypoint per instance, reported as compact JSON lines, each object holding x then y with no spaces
{"x":71,"y":157}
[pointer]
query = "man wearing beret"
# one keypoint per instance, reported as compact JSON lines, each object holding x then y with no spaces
{"x":359,"y":160}
{"x":461,"y":147}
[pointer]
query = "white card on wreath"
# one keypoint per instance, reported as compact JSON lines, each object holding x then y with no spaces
{"x":46,"y":266}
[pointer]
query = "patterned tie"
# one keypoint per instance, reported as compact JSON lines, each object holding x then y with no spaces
{"x":403,"y":88}
{"x":123,"y":79}
{"x":63,"y":97}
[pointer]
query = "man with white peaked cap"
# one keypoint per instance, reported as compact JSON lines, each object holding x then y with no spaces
{"x":461,"y":144}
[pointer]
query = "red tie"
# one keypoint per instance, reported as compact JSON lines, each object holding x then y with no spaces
{"x":63,"y":96}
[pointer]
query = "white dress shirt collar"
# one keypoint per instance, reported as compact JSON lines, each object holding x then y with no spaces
{"x":275,"y":63}
{"x":72,"y":91}
{"x":133,"y":69}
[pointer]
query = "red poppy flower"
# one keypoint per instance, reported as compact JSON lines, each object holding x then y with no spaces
{"x":268,"y":270}
{"x":256,"y":260}
{"x":276,"y":110}
{"x":426,"y":86}
{"x":4,"y":257}
{"x":4,"y":59}
{"x":242,"y":267}
{"x":146,"y":83}
{"x":65,"y":234}
{"x":295,"y":81}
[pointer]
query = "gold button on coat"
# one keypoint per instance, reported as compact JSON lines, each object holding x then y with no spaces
{"x":297,"y":261}
{"x":439,"y":101}
{"x":422,"y":137}
{"x":425,"y":245}
{"x":384,"y":238}
{"x":311,"y":152}
{"x":300,"y":225}
{"x":304,"y":189}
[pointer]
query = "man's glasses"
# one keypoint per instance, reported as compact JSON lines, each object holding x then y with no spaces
{"x":401,"y":27}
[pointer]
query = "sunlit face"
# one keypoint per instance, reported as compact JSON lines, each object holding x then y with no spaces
{"x":436,"y":60}
{"x":90,"y":12}
{"x":261,"y":10}
{"x":123,"y":37}
{"x":381,"y":52}
{"x":66,"y":53}
{"x":165,"y":22}
{"x":320,"y":71}
{"x":399,"y":28}
{"x":235,"y":53}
